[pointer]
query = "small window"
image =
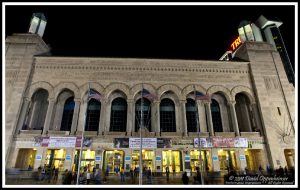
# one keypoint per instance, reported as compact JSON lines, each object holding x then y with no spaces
{"x":278,"y":110}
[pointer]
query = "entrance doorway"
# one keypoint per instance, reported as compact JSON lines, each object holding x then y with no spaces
{"x":227,"y":159}
{"x":147,"y":156}
{"x":112,"y":160}
{"x":253,"y":159}
{"x":25,"y":158}
{"x":206,"y":163}
{"x":56,"y":158}
{"x":173,"y":160}
{"x":87,"y":160}
{"x":290,"y":157}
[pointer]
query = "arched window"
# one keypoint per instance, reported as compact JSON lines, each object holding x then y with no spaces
{"x":66,"y":121}
{"x":146,"y":114}
{"x":191,"y":115}
{"x":243,"y":113}
{"x":118,"y":116}
{"x":167,"y":116}
{"x":38,"y":111}
{"x":93,"y":115}
{"x":216,"y":116}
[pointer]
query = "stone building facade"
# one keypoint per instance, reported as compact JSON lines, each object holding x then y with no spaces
{"x":46,"y":96}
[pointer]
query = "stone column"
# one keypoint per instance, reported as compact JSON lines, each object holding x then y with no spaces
{"x":234,"y":118}
{"x":215,"y":160}
{"x":75,"y":116}
{"x":209,"y":118}
{"x":40,"y":151}
{"x":256,"y":116}
{"x":48,"y":115}
{"x":32,"y":116}
{"x":102,"y":117}
{"x":68,"y":163}
{"x":23,"y":114}
{"x":82,"y":110}
{"x":157,"y":117}
{"x":178,"y":116}
{"x":129,"y":125}
{"x":184,"y":123}
{"x":202,"y":116}
{"x":153,"y":117}
{"x":241,"y":155}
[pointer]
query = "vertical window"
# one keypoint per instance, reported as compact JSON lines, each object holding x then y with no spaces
{"x":66,"y":122}
{"x":118,"y":117}
{"x":191,"y":115}
{"x":216,"y":116}
{"x":93,"y":115}
{"x":146,"y":114}
{"x":167,"y":116}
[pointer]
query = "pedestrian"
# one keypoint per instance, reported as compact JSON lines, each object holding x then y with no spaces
{"x":98,"y":177}
{"x":131,"y":175}
{"x":74,"y":177}
{"x":122,"y":173}
{"x":149,"y":176}
{"x":135,"y":171}
{"x":29,"y":168}
{"x":197,"y":178}
{"x":107,"y":170}
{"x":167,"y":173}
{"x":82,"y":178}
{"x":285,"y":171}
{"x":88,"y":177}
{"x":117,"y":170}
{"x":185,"y":178}
{"x":280,"y":171}
{"x":43,"y":174}
{"x":64,"y":178}
{"x":55,"y":176}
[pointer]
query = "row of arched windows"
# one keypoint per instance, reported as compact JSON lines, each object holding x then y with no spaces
{"x":118,"y":116}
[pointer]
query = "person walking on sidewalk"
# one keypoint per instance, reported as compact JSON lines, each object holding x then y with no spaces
{"x":149,"y":176}
{"x":88,"y":177}
{"x":185,"y":178}
{"x":122,"y":173}
{"x":168,"y":173}
{"x":98,"y":177}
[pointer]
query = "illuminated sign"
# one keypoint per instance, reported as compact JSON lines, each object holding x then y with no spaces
{"x":237,"y":42}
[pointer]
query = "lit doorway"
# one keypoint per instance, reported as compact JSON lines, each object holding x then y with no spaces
{"x":173,"y":160}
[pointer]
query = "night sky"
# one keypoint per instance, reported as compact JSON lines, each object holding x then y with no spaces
{"x":175,"y":32}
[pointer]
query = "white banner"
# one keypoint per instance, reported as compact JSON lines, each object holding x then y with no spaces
{"x":241,"y":142}
{"x":62,"y":142}
{"x":147,"y":143}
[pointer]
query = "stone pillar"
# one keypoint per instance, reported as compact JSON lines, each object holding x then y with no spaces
{"x":48,"y":115}
{"x":82,"y":110}
{"x":178,"y":116}
{"x":68,"y":163}
{"x":32,"y":116}
{"x":40,"y":151}
{"x":202,"y":116}
{"x":23,"y":114}
{"x":184,"y":123}
{"x":209,"y":118}
{"x":102,"y":117}
{"x":234,"y":118}
{"x":127,"y":162}
{"x":256,"y":117}
{"x":129,"y":125}
{"x":157,"y":117}
{"x":241,"y":158}
{"x":158,"y":152}
{"x":153,"y":117}
{"x":215,"y":160}
{"x":75,"y":116}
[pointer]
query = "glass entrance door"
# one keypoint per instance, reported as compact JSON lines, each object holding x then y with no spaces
{"x":172,"y":159}
{"x":148,"y":159}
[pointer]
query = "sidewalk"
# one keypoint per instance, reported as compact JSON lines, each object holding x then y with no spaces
{"x":116,"y":180}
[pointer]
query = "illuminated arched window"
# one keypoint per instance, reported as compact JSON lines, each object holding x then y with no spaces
{"x":191,"y":115}
{"x":167,"y":116}
{"x":118,"y":116}
{"x":146,"y":114}
{"x":216,"y":116}
{"x":93,"y":115}
{"x":66,"y":121}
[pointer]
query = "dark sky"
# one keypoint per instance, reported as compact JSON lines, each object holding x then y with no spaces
{"x":183,"y":32}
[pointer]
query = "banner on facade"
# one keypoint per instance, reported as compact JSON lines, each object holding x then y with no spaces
{"x":147,"y":143}
{"x":121,"y":143}
{"x":59,"y":142}
{"x":221,"y":142}
{"x":164,"y":143}
{"x":241,"y":142}
{"x":204,"y":142}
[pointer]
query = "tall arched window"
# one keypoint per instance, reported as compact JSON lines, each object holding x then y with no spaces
{"x":243,"y":113}
{"x":216,"y":116}
{"x":66,"y":121}
{"x":191,"y":115}
{"x":167,"y":116}
{"x":118,"y":116}
{"x":93,"y":115}
{"x":38,"y":111}
{"x":146,"y":114}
